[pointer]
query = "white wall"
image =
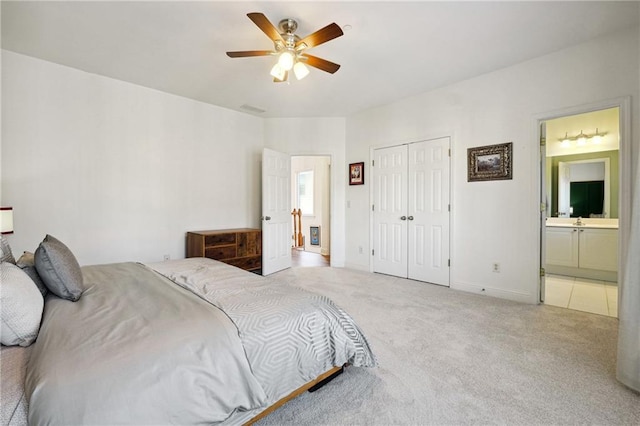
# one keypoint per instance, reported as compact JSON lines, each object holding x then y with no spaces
{"x":493,"y":221}
{"x":313,"y":136}
{"x":117,"y":171}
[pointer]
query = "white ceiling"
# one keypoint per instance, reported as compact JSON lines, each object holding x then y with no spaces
{"x":393,"y":50}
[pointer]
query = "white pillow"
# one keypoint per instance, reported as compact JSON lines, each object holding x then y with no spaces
{"x":21,"y":305}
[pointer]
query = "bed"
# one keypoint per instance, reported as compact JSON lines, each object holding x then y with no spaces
{"x":191,"y":341}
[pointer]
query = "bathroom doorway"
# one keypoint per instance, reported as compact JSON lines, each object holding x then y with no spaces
{"x":581,"y":177}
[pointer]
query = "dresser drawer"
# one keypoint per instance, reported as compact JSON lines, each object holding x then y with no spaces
{"x":220,"y":253}
{"x":247,"y":263}
{"x":219,"y":239}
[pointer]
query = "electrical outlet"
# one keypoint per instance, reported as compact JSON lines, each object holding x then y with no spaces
{"x":167,"y":257}
{"x":496,"y":267}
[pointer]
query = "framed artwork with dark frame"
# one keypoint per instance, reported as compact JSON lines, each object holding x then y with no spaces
{"x":491,"y":162}
{"x":315,"y":235}
{"x":356,"y":173}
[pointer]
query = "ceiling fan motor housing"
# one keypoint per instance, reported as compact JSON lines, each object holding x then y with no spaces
{"x":288,"y":26}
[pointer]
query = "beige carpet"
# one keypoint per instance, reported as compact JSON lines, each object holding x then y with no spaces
{"x":453,"y":358}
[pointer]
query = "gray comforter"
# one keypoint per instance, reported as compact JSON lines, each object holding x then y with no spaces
{"x":222,"y":345}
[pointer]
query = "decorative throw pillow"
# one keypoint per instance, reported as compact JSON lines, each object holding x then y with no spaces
{"x":27,"y":263}
{"x":59,"y":269}
{"x":21,"y":306}
{"x":5,"y":251}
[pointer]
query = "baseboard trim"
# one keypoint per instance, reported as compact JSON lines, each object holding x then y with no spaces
{"x":516,"y":296}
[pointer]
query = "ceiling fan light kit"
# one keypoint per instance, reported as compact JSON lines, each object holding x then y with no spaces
{"x":290,"y":48}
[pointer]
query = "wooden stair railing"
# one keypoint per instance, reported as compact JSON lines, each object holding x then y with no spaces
{"x":298,"y":239}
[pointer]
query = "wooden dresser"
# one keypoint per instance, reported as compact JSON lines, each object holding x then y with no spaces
{"x":239,"y":247}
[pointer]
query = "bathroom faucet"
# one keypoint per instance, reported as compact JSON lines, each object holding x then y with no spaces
{"x":579,"y":221}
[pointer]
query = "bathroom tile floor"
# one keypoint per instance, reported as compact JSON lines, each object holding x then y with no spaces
{"x":596,"y":297}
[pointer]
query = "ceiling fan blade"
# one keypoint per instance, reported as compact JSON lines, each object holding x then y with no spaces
{"x":320,"y":63}
{"x":323,"y":35}
{"x":266,"y":26}
{"x":247,"y":53}
{"x":285,"y":78}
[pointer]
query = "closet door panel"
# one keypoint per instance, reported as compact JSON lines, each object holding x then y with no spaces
{"x":390,"y":205}
{"x":428,"y":227}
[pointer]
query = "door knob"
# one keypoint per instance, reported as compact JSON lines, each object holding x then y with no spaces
{"x":267,"y":218}
{"x":410,"y":218}
{"x":403,"y":218}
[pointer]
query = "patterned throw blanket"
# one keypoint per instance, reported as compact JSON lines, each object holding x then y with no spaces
{"x":290,"y":335}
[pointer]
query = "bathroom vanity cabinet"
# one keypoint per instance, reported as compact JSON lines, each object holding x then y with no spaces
{"x":582,"y":251}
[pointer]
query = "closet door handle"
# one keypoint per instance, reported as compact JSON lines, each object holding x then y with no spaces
{"x":267,"y":218}
{"x":410,"y":218}
{"x":403,"y":218}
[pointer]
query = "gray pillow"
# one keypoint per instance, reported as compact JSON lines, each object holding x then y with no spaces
{"x":27,"y":263}
{"x":21,"y":304}
{"x":5,"y":251}
{"x":59,"y":269}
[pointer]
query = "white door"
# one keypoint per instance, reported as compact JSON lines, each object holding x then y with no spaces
{"x":276,"y":215}
{"x":411,"y":211}
{"x":390,"y":211}
{"x":428,"y":212}
{"x":544,"y":207}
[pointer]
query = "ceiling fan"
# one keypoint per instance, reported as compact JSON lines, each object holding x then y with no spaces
{"x":291,"y":49}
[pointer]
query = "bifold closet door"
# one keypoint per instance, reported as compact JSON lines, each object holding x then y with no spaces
{"x":411,"y":211}
{"x":390,"y":211}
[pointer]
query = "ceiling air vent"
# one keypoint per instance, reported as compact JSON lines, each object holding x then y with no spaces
{"x":251,"y":108}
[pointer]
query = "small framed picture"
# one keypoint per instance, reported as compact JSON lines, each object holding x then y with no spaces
{"x":315,"y":235}
{"x":491,"y":162}
{"x":356,"y":173}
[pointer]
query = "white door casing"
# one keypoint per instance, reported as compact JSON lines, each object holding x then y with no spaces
{"x":276,"y":215}
{"x":390,"y":206}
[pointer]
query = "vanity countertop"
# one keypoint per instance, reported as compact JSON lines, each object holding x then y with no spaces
{"x":555,"y":222}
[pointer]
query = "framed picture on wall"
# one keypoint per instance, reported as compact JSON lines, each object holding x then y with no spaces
{"x":491,"y":162}
{"x":356,"y":173}
{"x":315,"y":235}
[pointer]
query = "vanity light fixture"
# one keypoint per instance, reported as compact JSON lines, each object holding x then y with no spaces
{"x":597,"y":137}
{"x":582,"y":138}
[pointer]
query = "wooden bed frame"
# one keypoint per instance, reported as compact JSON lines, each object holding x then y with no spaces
{"x":320,"y":381}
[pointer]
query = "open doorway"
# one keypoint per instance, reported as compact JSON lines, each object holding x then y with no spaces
{"x":310,"y":210}
{"x":582,"y":172}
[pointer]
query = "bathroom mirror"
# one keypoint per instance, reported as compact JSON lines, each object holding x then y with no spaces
{"x":584,"y":189}
{"x":590,"y":178}
{"x":582,"y":172}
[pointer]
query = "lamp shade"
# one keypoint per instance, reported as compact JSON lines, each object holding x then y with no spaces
{"x":6,"y":220}
{"x":286,"y":60}
{"x":278,"y":72}
{"x":300,"y":70}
